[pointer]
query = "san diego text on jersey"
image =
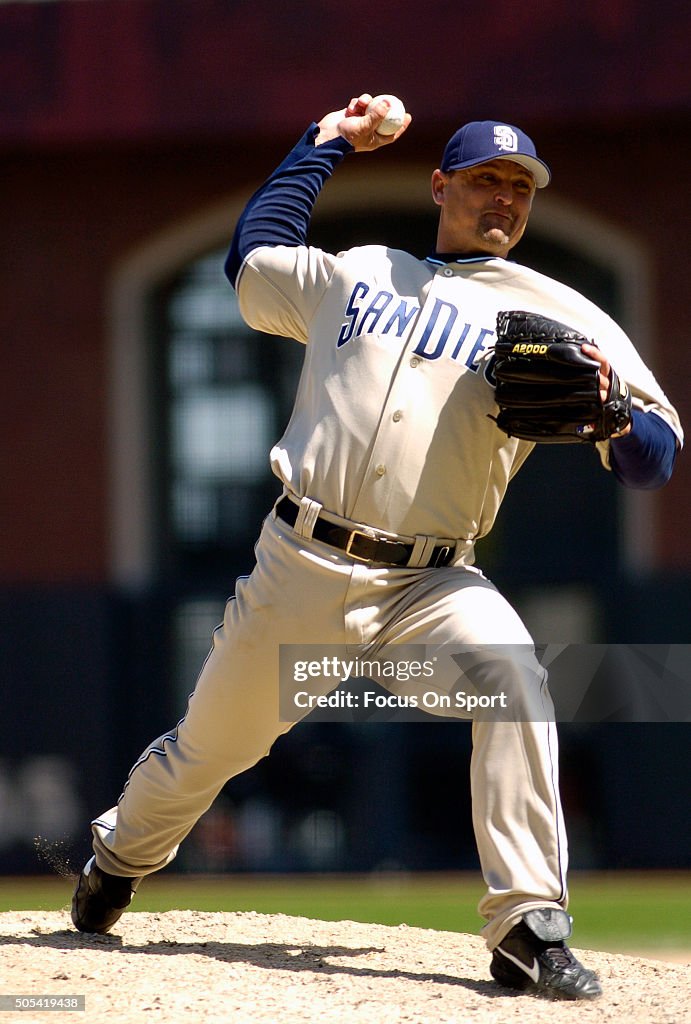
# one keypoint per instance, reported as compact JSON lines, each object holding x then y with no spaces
{"x":444,"y":333}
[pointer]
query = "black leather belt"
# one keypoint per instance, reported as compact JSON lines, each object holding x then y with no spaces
{"x":359,"y":545}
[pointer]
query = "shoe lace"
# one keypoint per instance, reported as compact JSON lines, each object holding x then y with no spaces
{"x":559,"y":957}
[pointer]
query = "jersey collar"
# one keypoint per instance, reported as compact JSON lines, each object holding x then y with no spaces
{"x":442,"y":258}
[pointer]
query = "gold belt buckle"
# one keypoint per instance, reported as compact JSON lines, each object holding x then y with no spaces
{"x":443,"y":553}
{"x":349,"y":544}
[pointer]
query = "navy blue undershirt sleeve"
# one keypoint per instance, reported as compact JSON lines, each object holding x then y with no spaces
{"x":279,"y":211}
{"x":644,"y":458}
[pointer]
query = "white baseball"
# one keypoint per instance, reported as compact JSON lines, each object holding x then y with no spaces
{"x":394,"y":119}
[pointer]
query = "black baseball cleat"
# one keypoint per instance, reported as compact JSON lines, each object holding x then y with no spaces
{"x":533,"y":957}
{"x":100,"y":899}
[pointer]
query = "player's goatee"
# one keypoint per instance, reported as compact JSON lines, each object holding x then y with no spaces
{"x":495,"y":236}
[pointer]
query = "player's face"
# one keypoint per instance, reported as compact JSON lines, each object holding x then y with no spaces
{"x":483,"y":208}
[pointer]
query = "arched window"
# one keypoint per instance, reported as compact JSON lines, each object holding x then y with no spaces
{"x":222,"y":396}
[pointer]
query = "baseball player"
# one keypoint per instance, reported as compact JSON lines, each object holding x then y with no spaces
{"x":392,"y":466}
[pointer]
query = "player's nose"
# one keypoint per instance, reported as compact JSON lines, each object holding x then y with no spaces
{"x":504,"y":193}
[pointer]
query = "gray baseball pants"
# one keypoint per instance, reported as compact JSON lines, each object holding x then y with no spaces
{"x":304,"y":592}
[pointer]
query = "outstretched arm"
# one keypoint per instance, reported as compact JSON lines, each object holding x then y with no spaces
{"x":279,"y":212}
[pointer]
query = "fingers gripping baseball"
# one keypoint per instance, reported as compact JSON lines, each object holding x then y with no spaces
{"x":360,"y":121}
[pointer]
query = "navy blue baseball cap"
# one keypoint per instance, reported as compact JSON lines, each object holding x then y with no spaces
{"x":481,"y":141}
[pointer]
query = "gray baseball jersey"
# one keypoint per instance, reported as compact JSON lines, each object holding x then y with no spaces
{"x":392,"y":423}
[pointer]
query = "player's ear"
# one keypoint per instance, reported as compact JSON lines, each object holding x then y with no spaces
{"x":438,"y":186}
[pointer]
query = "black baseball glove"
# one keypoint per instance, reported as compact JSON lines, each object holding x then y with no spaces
{"x":547,"y":389}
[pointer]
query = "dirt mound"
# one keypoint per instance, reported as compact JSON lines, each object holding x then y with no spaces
{"x":242,"y":968}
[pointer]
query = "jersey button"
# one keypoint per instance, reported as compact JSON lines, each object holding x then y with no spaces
{"x":414,"y":362}
{"x":380,"y":470}
{"x":447,"y":272}
{"x":397,"y":416}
